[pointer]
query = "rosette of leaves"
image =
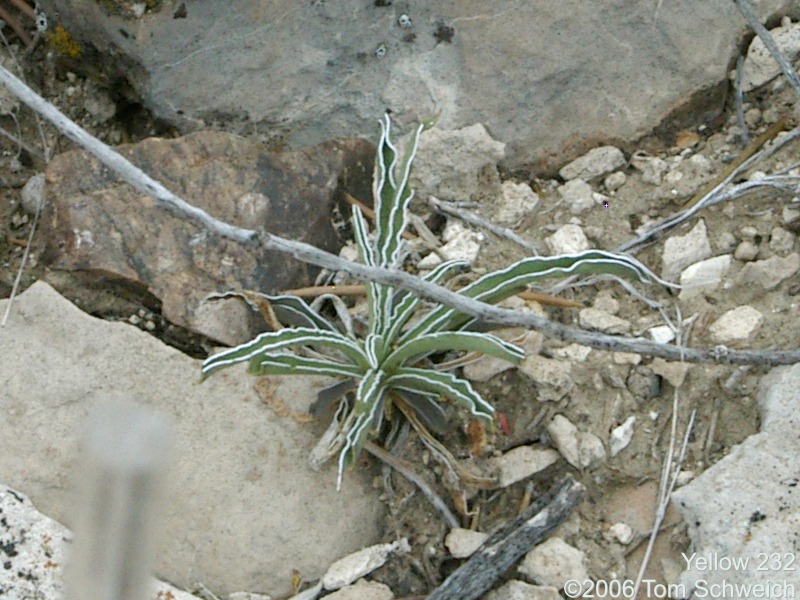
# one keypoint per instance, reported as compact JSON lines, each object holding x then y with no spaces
{"x":391,"y":362}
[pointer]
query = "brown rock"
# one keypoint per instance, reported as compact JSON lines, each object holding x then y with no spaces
{"x":112,"y":236}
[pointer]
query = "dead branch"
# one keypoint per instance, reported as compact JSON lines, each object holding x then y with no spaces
{"x":505,"y":546}
{"x":307,"y":253}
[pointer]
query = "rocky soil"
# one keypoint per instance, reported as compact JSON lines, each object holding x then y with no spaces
{"x":603,"y":417}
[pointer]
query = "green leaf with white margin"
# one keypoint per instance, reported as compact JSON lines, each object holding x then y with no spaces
{"x":375,"y":290}
{"x":368,"y":410}
{"x":288,"y":363}
{"x":446,"y":384}
{"x":286,"y":338}
{"x":410,"y":302}
{"x":499,"y":285}
{"x":289,"y":310}
{"x":453,"y":340}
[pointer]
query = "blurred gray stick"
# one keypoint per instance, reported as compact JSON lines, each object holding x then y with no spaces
{"x":119,"y":485}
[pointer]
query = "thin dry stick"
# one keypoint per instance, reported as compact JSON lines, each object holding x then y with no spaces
{"x":745,"y":139}
{"x":406,"y":470}
{"x":473,"y":219}
{"x":178,"y":207}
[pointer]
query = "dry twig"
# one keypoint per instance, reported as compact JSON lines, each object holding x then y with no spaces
{"x":178,"y":207}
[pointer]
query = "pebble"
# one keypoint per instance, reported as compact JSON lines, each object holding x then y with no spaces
{"x":554,"y":377}
{"x":522,"y":462}
{"x":595,"y":163}
{"x":32,"y":194}
{"x":704,"y":276}
{"x":725,"y":242}
{"x":573,"y":352}
{"x":759,"y":66}
{"x":614,"y":181}
{"x":100,"y":106}
{"x":621,"y":532}
{"x":621,"y":436}
{"x":651,"y":167}
{"x":769,"y":273}
{"x":626,"y":358}
{"x":781,"y":241}
{"x":746,"y":251}
{"x":737,"y":326}
{"x":461,"y":243}
{"x":363,"y":590}
{"x":354,"y":566}
{"x":606,"y":302}
{"x":673,"y":372}
{"x":517,"y":201}
{"x":568,"y":239}
{"x":749,"y":232}
{"x":598,"y":320}
{"x":519,"y":590}
{"x":661,"y":334}
{"x":789,"y":214}
{"x":579,"y":448}
{"x":578,"y":195}
{"x":681,"y":251}
{"x":462,"y":543}
{"x":554,"y":563}
{"x":643,"y":383}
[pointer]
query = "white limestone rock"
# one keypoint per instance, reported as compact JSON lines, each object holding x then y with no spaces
{"x":651,"y":167}
{"x":553,"y":563}
{"x":554,"y":377}
{"x":517,"y":202}
{"x":769,"y":273}
{"x":781,"y":241}
{"x":522,"y":462}
{"x":615,"y":181}
{"x":673,"y":371}
{"x":33,"y":551}
{"x":354,"y":566}
{"x":736,"y":327}
{"x":759,"y":66}
{"x":579,"y":448}
{"x":462,"y":543}
{"x":661,"y":334}
{"x":682,"y":251}
{"x":363,"y":590}
{"x":621,"y":436}
{"x":745,"y":251}
{"x":595,"y":163}
{"x":577,"y":195}
{"x":568,"y":239}
{"x":704,"y":276}
{"x":462,"y":243}
{"x":598,"y":320}
{"x":621,"y":532}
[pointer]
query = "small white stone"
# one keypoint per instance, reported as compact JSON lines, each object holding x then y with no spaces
{"x":598,"y":320}
{"x":573,"y":352}
{"x":725,"y":242}
{"x":704,"y":276}
{"x":32,"y":194}
{"x":615,"y":180}
{"x":595,"y":163}
{"x":736,"y":326}
{"x":360,"y":590}
{"x":553,"y":563}
{"x":682,"y":251}
{"x":746,"y":251}
{"x":580,"y":449}
{"x":661,"y":334}
{"x":621,"y":436}
{"x":683,"y":478}
{"x":626,"y":358}
{"x":674,"y":372}
{"x":578,"y":195}
{"x":568,"y":239}
{"x":759,"y":66}
{"x":522,"y":462}
{"x":621,"y":532}
{"x":517,"y":202}
{"x":354,"y":566}
{"x":462,"y":244}
{"x":553,"y":376}
{"x":606,"y":302}
{"x":769,"y":273}
{"x":462,"y":543}
{"x":652,"y":168}
{"x":749,"y":232}
{"x":789,"y":214}
{"x":781,"y":241}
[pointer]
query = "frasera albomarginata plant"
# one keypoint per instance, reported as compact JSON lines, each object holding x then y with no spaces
{"x":388,"y":364}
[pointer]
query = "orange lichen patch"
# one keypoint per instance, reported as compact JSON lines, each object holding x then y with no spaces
{"x":63,"y":43}
{"x":686,"y":139}
{"x":278,"y":406}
